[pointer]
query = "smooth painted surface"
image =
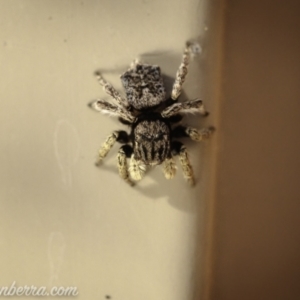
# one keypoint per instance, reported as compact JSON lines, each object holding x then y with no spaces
{"x":64,"y":222}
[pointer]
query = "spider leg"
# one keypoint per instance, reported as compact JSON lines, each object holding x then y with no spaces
{"x":193,"y":133}
{"x":190,"y":50}
{"x":110,"y":90}
{"x":184,"y":107}
{"x":117,"y":136}
{"x":125,"y":122}
{"x":175,"y":118}
{"x":124,"y":152}
{"x":137,"y":168}
{"x":179,"y":149}
{"x":108,"y":108}
{"x":134,"y":63}
{"x":169,"y":167}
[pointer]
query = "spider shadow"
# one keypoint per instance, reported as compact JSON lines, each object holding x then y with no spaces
{"x":156,"y":187}
{"x":178,"y":194}
{"x":169,"y":63}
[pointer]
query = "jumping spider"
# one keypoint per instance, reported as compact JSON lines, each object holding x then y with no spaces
{"x":152,"y":140}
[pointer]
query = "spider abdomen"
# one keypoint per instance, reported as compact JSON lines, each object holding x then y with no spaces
{"x":151,"y":141}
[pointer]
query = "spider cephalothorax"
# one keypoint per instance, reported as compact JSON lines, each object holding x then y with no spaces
{"x":144,"y":86}
{"x":153,"y":136}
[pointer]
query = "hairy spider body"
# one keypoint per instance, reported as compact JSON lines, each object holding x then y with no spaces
{"x":153,"y":136}
{"x":152,"y":139}
{"x":144,"y":86}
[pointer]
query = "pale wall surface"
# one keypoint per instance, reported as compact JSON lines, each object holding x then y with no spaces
{"x":65,"y":222}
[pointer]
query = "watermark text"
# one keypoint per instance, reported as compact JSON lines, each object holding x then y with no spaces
{"x":42,"y":291}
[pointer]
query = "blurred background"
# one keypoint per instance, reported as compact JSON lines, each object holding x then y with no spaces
{"x":64,"y":222}
{"x":257,"y":203}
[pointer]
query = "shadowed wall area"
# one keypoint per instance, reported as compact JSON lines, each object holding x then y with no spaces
{"x":257,"y":232}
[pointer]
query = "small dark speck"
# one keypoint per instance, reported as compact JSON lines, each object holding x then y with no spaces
{"x":65,"y":40}
{"x":90,"y":104}
{"x":107,"y":297}
{"x":50,"y":18}
{"x":4,"y":44}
